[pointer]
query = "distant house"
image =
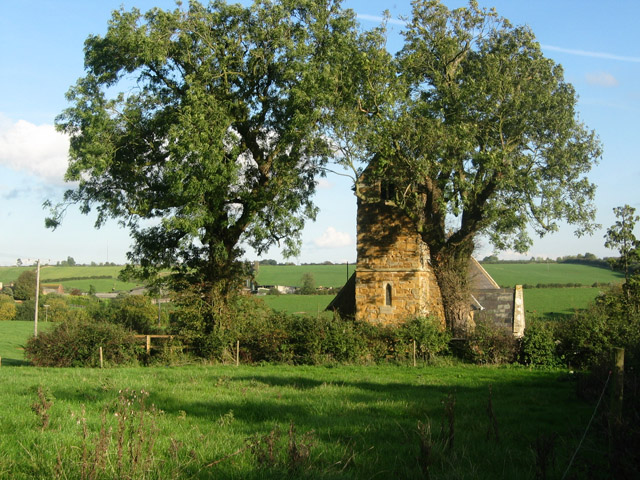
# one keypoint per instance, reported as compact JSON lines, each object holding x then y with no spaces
{"x":48,"y":288}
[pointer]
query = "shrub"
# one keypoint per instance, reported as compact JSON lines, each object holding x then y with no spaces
{"x":7,"y":308}
{"x":76,"y":343}
{"x":429,"y":334}
{"x":490,"y":344}
{"x":611,"y":321}
{"x":25,"y":311}
{"x":56,"y":309}
{"x":135,"y":312}
{"x":538,"y":345}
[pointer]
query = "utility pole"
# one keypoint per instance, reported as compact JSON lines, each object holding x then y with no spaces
{"x":35,"y":320}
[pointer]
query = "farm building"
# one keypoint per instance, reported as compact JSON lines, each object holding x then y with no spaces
{"x":394,"y":279}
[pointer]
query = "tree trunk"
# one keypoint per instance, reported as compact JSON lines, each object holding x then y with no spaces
{"x":451,"y":266}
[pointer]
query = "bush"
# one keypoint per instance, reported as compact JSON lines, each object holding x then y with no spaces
{"x":490,"y":344}
{"x":613,"y":320}
{"x":76,"y":343}
{"x":429,"y":334}
{"x":538,"y":346}
{"x":7,"y":307}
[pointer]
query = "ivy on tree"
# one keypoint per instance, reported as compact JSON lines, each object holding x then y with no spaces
{"x":198,"y":129}
{"x":477,"y":133}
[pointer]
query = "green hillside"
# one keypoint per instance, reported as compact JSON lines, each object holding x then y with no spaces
{"x":103,"y":278}
{"x":505,"y":274}
{"x":509,"y":274}
{"x":291,"y":275}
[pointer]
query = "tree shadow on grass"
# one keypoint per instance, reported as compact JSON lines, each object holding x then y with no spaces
{"x":14,"y":362}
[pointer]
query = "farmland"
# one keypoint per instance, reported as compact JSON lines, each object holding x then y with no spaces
{"x":542,"y":301}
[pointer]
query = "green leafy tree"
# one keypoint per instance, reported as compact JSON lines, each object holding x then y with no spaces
{"x":308,"y":284}
{"x":620,"y":237}
{"x":199,"y":129}
{"x":474,"y":133}
{"x":24,"y":287}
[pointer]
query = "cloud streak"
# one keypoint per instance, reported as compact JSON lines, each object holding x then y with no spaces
{"x":586,"y":53}
{"x":379,"y":19}
{"x":35,"y":149}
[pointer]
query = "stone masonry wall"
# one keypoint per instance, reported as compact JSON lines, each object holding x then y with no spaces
{"x":391,"y":253}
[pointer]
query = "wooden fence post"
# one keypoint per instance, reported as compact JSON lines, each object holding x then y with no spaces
{"x":101,"y":358}
{"x":148,"y":344}
{"x":414,"y":353}
{"x":617,"y":389}
{"x":237,"y":353}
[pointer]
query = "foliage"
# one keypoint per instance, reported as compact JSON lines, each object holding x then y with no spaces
{"x":25,"y":286}
{"x":308,"y":284}
{"x":429,"y":334}
{"x":620,"y":237}
{"x":7,"y":307}
{"x":25,"y":311}
{"x":54,"y":308}
{"x":474,"y":133}
{"x":133,"y":312}
{"x":538,"y":346}
{"x":220,"y":141}
{"x":489,"y":343}
{"x":75,"y":343}
{"x":587,"y":338}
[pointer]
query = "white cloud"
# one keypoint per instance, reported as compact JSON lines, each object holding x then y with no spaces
{"x":36,"y":149}
{"x":602,"y":79}
{"x":323,"y":183}
{"x":331,"y":238}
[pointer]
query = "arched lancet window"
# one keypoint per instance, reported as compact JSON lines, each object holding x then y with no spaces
{"x":387,"y":295}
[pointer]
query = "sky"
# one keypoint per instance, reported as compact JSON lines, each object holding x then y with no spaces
{"x":41,"y":56}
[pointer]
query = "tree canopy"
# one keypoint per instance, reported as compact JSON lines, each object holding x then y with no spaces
{"x":476,"y":133}
{"x":198,"y":129}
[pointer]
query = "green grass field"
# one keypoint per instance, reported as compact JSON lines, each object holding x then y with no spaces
{"x":79,"y":277}
{"x":354,"y":422}
{"x":324,"y":275}
{"x":307,"y":304}
{"x":13,"y":336}
{"x":510,"y":274}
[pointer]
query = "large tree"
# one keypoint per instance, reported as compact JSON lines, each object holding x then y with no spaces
{"x":198,"y":129}
{"x":476,"y":133}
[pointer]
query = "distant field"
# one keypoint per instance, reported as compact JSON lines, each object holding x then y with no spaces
{"x":509,"y":274}
{"x":79,"y":277}
{"x":549,"y":302}
{"x":307,"y":304}
{"x":291,"y":275}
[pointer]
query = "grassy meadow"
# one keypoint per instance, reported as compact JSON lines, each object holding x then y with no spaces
{"x":510,"y":274}
{"x":287,"y":422}
{"x":103,"y":278}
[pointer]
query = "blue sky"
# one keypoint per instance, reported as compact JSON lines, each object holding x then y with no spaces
{"x":41,"y":56}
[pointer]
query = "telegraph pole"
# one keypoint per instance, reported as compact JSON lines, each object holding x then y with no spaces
{"x":35,"y":320}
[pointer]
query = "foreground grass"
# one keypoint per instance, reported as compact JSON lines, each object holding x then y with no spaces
{"x":360,"y":422}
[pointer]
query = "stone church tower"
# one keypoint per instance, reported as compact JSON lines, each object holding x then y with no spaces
{"x":394,"y":281}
